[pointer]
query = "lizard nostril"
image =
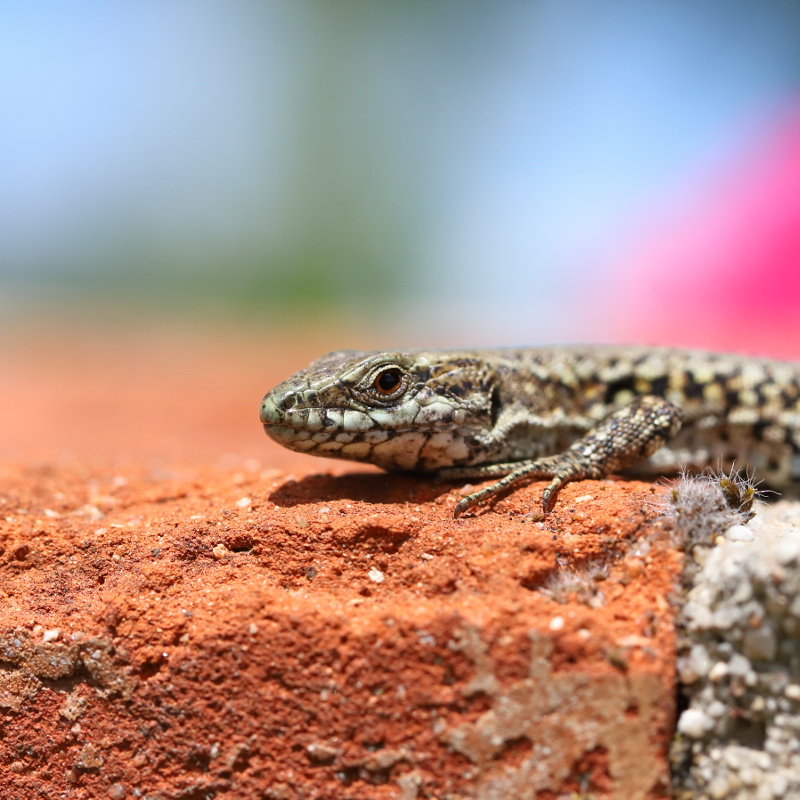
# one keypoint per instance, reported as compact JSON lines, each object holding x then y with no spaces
{"x":289,"y":400}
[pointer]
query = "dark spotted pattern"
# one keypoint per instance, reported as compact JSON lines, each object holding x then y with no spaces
{"x":558,"y":413}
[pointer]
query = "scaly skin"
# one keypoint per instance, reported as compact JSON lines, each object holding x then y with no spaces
{"x":559,"y":413}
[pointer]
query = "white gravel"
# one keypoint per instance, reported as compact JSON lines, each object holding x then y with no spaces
{"x":739,"y":739}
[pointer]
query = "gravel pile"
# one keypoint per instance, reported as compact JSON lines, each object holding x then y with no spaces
{"x":739,"y":737}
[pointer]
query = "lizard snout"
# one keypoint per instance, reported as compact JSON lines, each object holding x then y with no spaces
{"x":277,"y":404}
{"x":270,"y":412}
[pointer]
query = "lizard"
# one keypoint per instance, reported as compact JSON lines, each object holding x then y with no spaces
{"x":563,"y":414}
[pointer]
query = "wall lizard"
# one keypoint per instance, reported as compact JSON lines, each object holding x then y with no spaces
{"x":561,"y":413}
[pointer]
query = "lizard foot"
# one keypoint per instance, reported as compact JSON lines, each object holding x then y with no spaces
{"x":621,"y":440}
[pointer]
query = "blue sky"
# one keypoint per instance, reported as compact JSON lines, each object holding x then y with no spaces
{"x":496,"y":154}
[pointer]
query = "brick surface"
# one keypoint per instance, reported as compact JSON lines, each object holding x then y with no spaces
{"x":223,"y":626}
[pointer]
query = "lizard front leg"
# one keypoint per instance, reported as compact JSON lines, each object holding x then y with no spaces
{"x":621,"y":440}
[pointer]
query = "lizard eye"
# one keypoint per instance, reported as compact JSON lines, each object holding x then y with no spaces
{"x":388,"y":381}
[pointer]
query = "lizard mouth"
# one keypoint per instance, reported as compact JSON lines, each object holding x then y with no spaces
{"x":277,"y":431}
{"x":302,"y":428}
{"x":279,"y":418}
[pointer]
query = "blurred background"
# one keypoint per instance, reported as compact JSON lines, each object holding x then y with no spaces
{"x":451,"y":171}
{"x":410,"y":173}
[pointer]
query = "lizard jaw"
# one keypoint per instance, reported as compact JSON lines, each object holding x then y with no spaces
{"x":338,"y":433}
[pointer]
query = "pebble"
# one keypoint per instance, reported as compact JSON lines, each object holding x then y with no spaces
{"x":375,"y":575}
{"x":694,"y":723}
{"x":695,"y":665}
{"x":788,"y":550}
{"x":738,"y":665}
{"x":792,"y":691}
{"x":740,"y":533}
{"x":718,"y":671}
{"x":760,"y":644}
{"x":219,"y":551}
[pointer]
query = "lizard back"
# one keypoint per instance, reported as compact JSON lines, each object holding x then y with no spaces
{"x":431,"y":410}
{"x":736,"y":410}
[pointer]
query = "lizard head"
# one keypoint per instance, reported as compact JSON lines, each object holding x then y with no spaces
{"x":417,"y":410}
